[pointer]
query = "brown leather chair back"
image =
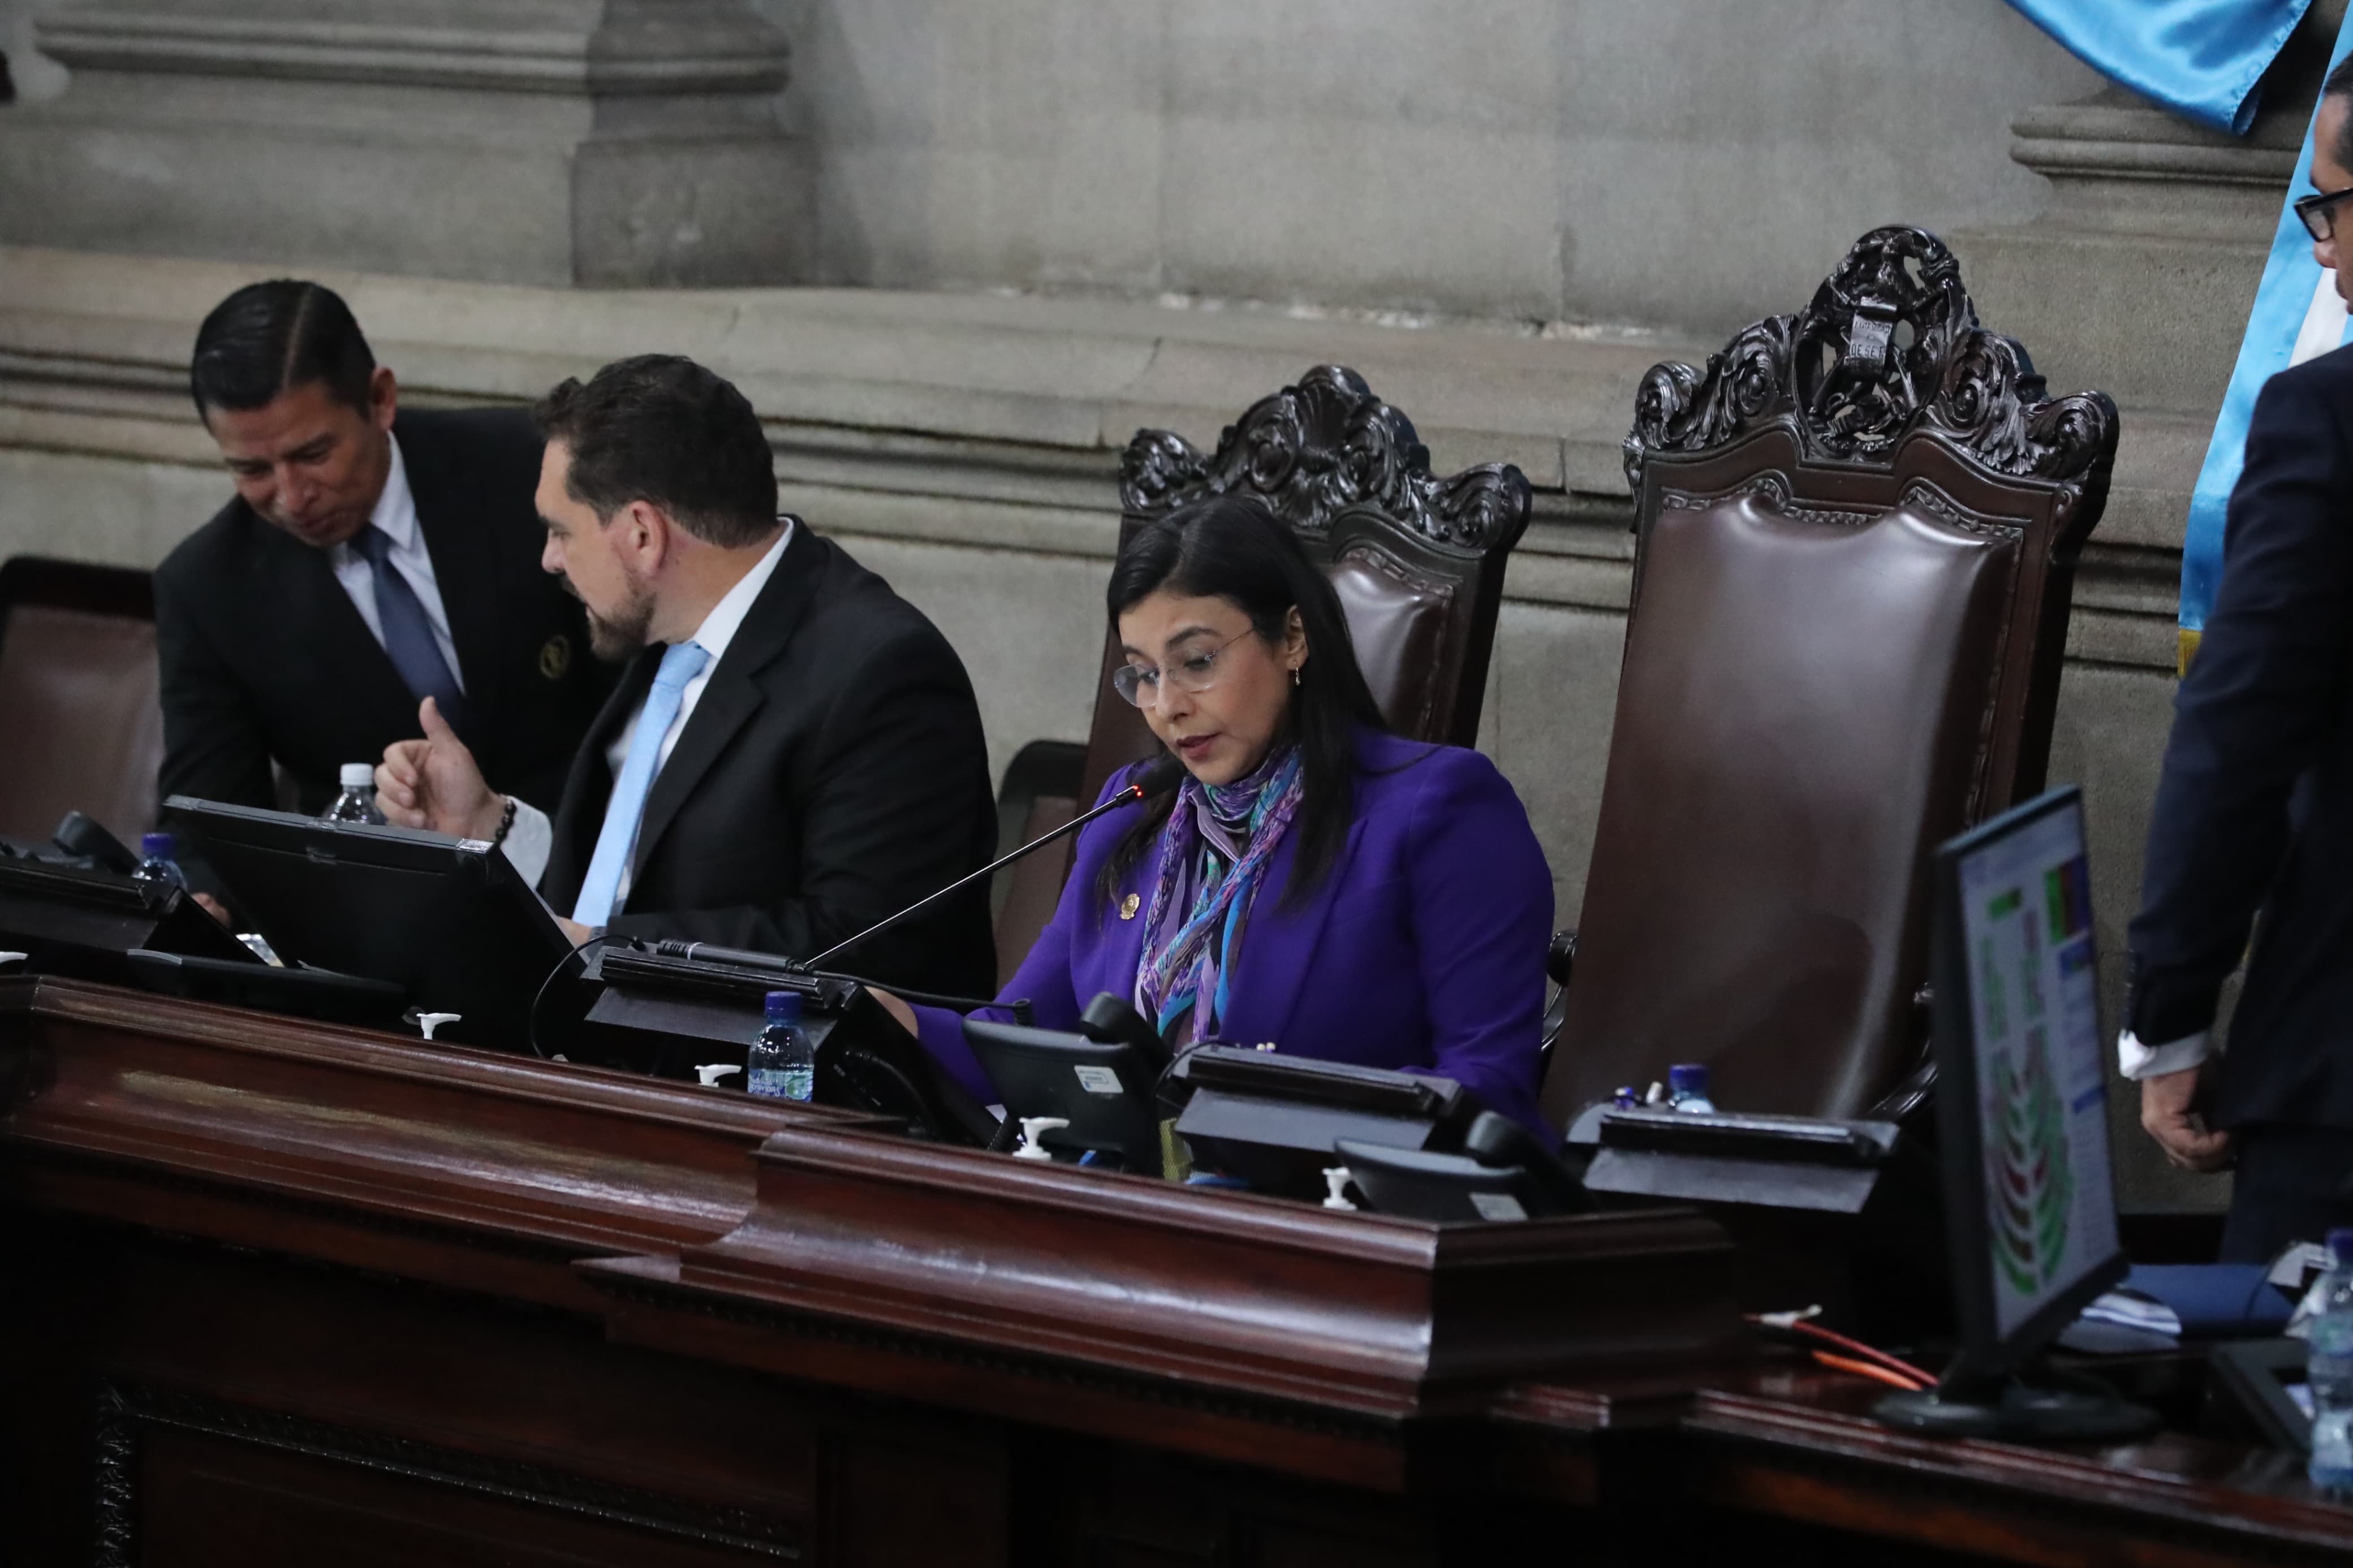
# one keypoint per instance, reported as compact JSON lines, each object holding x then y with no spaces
{"x":1418,"y":559}
{"x":81,"y":725}
{"x":1856,"y":532}
{"x":1038,"y":795}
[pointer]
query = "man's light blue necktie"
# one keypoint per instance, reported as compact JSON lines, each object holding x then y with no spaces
{"x":681,"y":663}
{"x":407,"y":633}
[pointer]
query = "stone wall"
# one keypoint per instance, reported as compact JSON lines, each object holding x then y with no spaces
{"x":1681,"y":161}
{"x":1676,"y":162}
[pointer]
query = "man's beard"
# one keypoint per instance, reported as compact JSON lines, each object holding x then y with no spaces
{"x":620,"y":637}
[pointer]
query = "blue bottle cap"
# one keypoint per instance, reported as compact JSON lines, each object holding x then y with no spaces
{"x":158,"y":846}
{"x":1688,"y":1078}
{"x":784,"y":1006}
{"x":2340,"y":1247}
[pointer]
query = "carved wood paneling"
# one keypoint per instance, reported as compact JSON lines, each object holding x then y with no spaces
{"x":132,"y":1414}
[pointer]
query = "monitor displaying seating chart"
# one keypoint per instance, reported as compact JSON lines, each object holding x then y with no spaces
{"x":2021,"y":1054}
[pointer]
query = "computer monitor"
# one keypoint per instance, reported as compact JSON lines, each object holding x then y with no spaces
{"x":449,"y":919}
{"x":2022,"y":1121}
{"x":1105,"y":1089}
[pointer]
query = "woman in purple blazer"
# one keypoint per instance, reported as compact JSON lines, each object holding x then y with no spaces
{"x":1313,"y":882}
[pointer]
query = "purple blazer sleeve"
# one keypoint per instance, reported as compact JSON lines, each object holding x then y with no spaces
{"x":1482,"y":918}
{"x":1044,"y":977}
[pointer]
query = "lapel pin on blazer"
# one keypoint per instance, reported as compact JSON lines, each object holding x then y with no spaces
{"x":555,"y":656}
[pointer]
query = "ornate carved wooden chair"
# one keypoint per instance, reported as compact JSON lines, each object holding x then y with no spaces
{"x":1856,"y":535}
{"x":1418,"y":561}
{"x":83,"y":726}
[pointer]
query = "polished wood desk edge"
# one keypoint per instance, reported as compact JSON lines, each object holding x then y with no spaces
{"x":576,"y":1088}
{"x":1806,"y":1421}
{"x":1224,"y":1215}
{"x":1308,"y":1437}
{"x":266,"y":1132}
{"x":1386,"y":1389}
{"x":1265,"y":1294}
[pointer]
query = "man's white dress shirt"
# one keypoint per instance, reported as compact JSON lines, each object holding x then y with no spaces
{"x":532,"y":836}
{"x":395,"y":518}
{"x":2138,"y":1061}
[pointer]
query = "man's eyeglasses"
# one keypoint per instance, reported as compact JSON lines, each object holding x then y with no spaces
{"x":1195,"y":673}
{"x":2318,"y":211}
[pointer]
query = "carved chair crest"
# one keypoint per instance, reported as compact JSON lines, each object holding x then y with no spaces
{"x":1889,"y":345}
{"x":1322,"y":448}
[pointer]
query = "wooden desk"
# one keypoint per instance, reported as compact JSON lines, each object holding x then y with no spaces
{"x":279,"y":1293}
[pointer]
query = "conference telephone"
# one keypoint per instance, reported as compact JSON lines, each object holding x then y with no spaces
{"x":78,"y":911}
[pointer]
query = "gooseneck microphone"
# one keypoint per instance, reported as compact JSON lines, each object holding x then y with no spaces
{"x":1156,"y":781}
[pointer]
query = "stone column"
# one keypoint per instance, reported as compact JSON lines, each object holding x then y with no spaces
{"x":553,"y":141}
{"x":2138,"y":274}
{"x":2137,"y":278}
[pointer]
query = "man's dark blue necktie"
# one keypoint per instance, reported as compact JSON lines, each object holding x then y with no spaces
{"x":407,"y":632}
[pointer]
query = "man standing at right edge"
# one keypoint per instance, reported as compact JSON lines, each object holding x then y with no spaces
{"x":2254,"y":810}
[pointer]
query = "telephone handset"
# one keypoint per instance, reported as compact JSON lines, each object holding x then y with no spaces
{"x":84,"y":839}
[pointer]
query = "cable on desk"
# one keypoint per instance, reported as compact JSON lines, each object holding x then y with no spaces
{"x":1796,"y":1324}
{"x":1870,"y":1370}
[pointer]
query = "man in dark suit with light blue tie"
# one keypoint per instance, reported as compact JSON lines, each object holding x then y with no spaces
{"x":374,"y":555}
{"x":793,"y":751}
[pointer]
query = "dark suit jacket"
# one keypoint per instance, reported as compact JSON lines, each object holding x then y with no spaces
{"x":832,"y":773}
{"x":264,"y":656}
{"x":2255,"y":806}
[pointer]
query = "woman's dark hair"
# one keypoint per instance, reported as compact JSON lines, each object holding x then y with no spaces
{"x":1232,"y":548}
{"x":270,"y":338}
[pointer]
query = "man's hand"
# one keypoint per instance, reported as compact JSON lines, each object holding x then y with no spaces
{"x":433,"y":783}
{"x":2166,"y":1114}
{"x":578,"y":933}
{"x":214,"y":908}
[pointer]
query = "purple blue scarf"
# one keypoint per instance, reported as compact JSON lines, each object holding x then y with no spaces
{"x":1237,"y":825}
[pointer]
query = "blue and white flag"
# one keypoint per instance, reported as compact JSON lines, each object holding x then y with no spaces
{"x":2297,"y":316}
{"x":2200,"y":58}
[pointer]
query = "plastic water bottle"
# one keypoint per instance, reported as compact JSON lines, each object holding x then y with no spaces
{"x":1687,"y":1087}
{"x":357,"y":803}
{"x":2329,"y":1372}
{"x":159,"y":861}
{"x":782,"y":1064}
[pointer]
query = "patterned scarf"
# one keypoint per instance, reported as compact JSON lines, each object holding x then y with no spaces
{"x":1186,"y":964}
